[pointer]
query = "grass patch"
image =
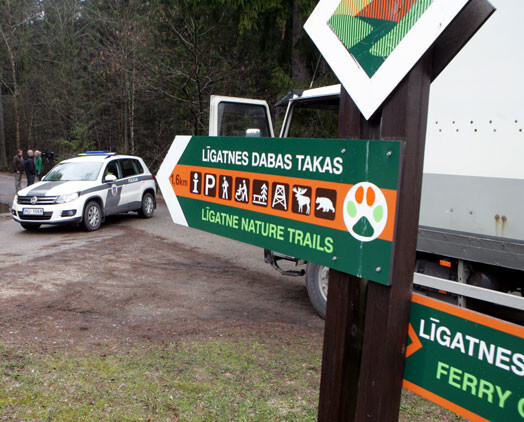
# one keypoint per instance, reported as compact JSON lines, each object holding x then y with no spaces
{"x":208,"y":380}
{"x":221,"y":379}
{"x":414,"y":408}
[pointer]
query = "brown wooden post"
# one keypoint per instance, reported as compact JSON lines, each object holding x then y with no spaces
{"x":345,"y":314}
{"x":404,"y":117}
{"x":342,"y":346}
{"x":366,"y":323}
{"x":375,"y":384}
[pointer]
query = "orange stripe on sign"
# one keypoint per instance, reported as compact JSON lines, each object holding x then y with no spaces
{"x":443,"y":402}
{"x":387,"y":10}
{"x":482,"y":319}
{"x":182,"y":185}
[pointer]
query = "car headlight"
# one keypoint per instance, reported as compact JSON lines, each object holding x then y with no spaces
{"x":15,"y":199}
{"x":62,"y":199}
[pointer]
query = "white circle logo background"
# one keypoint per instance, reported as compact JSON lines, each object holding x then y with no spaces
{"x":365,"y":210}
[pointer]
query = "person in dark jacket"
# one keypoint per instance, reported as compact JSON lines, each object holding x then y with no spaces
{"x":30,"y":170}
{"x":18,"y":169}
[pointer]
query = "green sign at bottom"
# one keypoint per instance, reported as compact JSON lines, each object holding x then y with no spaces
{"x":467,"y":362}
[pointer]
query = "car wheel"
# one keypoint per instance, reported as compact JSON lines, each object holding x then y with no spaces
{"x":148,"y":206}
{"x":317,"y":287}
{"x":30,"y":226}
{"x":92,"y":216}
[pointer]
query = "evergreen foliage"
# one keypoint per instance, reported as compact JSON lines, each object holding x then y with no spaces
{"x":129,"y":75}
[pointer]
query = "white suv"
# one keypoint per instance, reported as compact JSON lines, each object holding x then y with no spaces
{"x":85,"y":190}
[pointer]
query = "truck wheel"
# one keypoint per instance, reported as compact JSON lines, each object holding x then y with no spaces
{"x":30,"y":226}
{"x":317,"y":287}
{"x":148,"y":206}
{"x":92,"y":216}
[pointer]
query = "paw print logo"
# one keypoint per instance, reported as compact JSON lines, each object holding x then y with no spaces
{"x":365,"y":211}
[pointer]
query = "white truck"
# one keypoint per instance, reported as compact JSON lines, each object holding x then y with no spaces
{"x":471,"y":227}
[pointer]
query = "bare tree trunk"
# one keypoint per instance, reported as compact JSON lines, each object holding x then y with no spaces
{"x":16,"y":89}
{"x":123,"y":107}
{"x":132,"y":110}
{"x":16,"y":103}
{"x":299,"y":70}
{"x":3,"y":152}
{"x":201,"y":104}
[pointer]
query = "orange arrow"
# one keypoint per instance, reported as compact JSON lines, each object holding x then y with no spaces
{"x":415,"y":345}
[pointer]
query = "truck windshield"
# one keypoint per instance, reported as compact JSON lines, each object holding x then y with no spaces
{"x":314,"y":120}
{"x":234,"y":119}
{"x":73,"y":172}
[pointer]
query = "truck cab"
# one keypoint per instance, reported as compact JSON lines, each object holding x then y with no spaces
{"x":471,"y":233}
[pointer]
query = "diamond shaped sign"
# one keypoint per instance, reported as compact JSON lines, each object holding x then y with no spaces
{"x":372,"y":44}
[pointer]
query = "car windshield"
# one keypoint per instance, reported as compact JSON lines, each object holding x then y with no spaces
{"x":73,"y":172}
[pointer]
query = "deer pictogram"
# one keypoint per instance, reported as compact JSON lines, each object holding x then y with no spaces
{"x":302,"y":199}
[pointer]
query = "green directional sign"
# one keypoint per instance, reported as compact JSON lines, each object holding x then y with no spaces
{"x":332,"y":202}
{"x":470,"y":363}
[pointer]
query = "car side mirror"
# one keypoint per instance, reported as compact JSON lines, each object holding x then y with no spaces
{"x":110,"y":178}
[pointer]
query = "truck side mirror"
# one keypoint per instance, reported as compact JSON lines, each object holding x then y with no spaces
{"x":253,"y":133}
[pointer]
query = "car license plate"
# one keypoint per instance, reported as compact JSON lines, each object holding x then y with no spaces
{"x":33,"y":211}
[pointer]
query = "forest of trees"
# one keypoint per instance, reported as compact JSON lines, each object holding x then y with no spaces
{"x":128,"y":75}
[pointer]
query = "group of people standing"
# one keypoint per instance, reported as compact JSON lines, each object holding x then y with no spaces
{"x":32,"y":166}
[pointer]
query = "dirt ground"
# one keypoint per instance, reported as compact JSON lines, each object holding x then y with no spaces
{"x":134,"y":286}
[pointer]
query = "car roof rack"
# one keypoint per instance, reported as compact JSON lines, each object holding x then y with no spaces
{"x":89,"y":153}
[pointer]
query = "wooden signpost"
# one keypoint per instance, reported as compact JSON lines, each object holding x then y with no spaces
{"x":367,"y":323}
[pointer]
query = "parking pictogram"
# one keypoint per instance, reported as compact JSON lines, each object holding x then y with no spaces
{"x":301,"y":200}
{"x":210,"y":185}
{"x":325,"y":203}
{"x":260,"y":193}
